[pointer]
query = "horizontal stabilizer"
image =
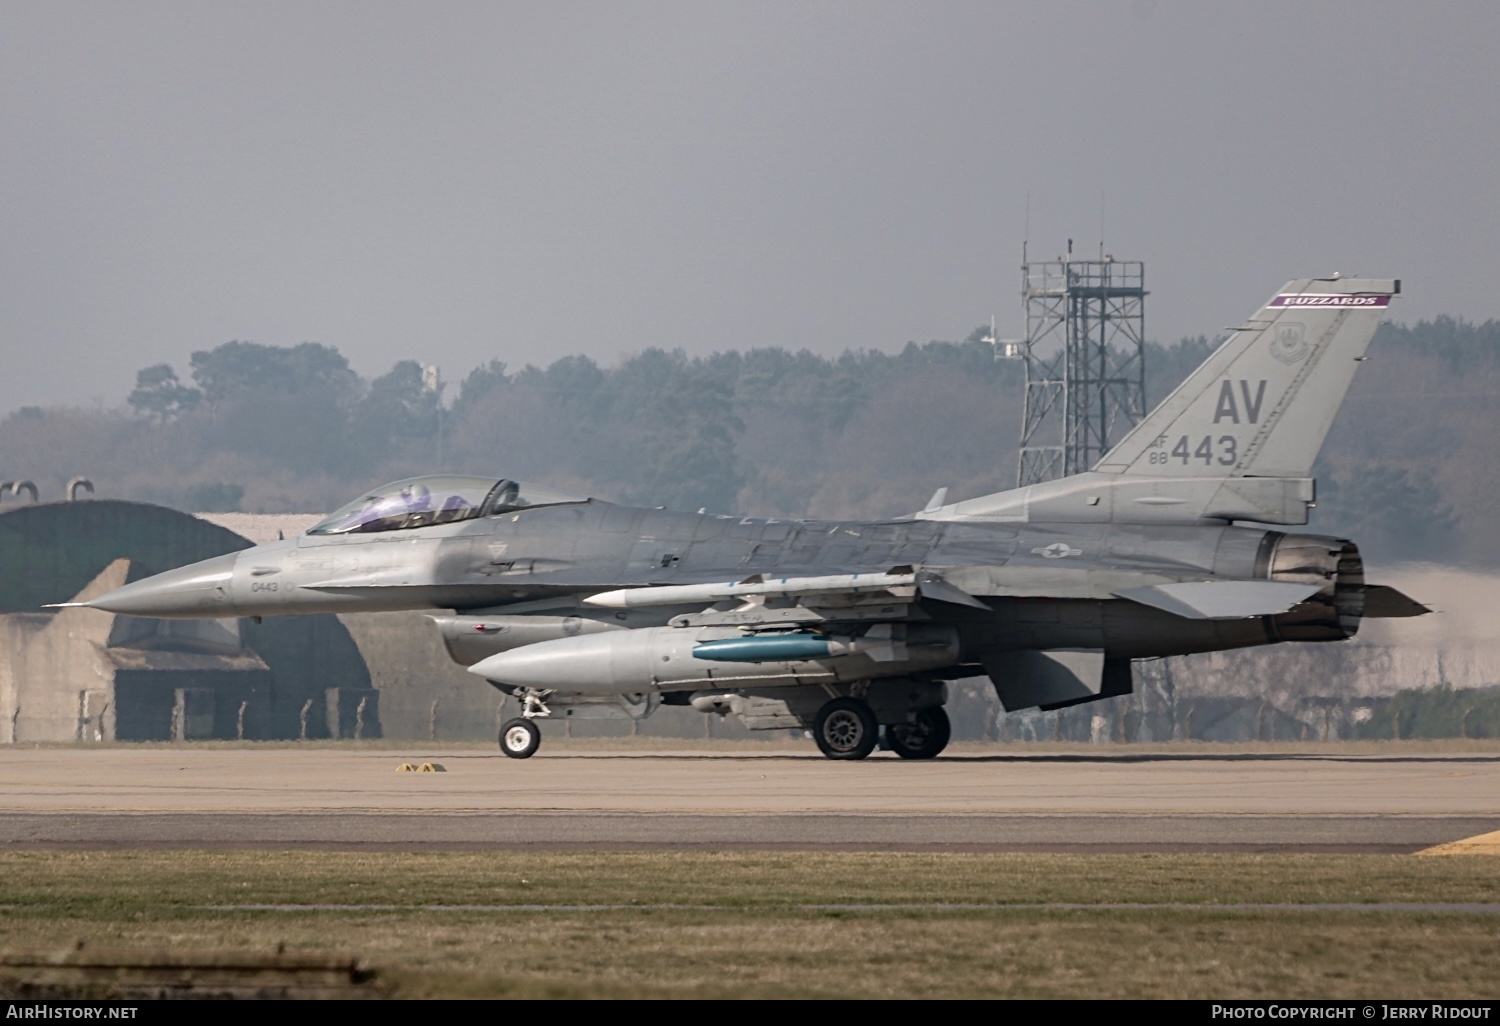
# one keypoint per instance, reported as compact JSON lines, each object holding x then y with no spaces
{"x":1221,"y":600}
{"x":1384,"y":601}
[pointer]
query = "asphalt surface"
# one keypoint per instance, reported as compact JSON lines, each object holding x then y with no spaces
{"x":1116,"y":800}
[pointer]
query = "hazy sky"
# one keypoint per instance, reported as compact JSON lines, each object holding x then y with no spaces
{"x":456,"y":182}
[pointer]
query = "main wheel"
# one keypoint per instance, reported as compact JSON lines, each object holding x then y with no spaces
{"x":846,"y":729}
{"x":924,"y":737}
{"x":519,"y":738}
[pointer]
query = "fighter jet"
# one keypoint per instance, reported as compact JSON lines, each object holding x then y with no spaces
{"x":1173,"y":543}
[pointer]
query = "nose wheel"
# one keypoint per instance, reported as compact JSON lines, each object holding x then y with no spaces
{"x":519,"y":738}
{"x":846,"y":729}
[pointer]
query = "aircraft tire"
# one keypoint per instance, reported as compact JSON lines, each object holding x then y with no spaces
{"x":923,"y":739}
{"x":520,"y":738}
{"x":845,"y":728}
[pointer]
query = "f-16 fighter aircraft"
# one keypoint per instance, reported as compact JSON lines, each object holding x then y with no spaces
{"x":577,"y":605}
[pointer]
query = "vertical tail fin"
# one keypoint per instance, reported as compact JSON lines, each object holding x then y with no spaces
{"x":1262,"y":404}
{"x":1237,"y":439}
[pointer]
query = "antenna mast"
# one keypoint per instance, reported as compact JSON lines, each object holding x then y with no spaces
{"x":1085,"y":353}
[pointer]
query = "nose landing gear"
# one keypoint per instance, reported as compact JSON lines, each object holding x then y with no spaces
{"x":520,"y":737}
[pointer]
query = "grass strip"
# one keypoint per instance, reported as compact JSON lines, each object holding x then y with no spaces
{"x":886,"y":925}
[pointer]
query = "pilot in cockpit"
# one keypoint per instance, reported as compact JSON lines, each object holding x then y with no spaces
{"x":416,"y":500}
{"x":436,"y":499}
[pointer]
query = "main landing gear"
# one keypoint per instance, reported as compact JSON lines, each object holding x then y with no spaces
{"x":846,"y":728}
{"x":923,"y":738}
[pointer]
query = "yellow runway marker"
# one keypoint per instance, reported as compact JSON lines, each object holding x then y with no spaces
{"x":1482,"y":844}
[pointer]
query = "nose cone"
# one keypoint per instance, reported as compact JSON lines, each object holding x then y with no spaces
{"x":196,"y":590}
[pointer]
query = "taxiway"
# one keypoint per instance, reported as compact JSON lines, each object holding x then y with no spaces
{"x":1112,"y":800}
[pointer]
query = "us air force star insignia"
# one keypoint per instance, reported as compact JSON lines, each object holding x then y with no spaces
{"x":1057,"y":550}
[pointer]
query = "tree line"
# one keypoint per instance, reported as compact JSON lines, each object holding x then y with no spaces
{"x":1409,"y":470}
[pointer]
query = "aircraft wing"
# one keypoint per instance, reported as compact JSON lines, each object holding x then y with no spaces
{"x":1194,"y":600}
{"x":898,"y":584}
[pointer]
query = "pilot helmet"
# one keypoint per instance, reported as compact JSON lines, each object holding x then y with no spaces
{"x":417,"y":496}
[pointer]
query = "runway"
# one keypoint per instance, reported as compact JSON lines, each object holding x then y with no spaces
{"x":1115,"y":800}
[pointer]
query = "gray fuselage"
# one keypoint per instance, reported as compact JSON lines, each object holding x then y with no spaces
{"x":1046,"y":586}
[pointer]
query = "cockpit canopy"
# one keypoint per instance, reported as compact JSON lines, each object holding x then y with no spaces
{"x":424,"y":501}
